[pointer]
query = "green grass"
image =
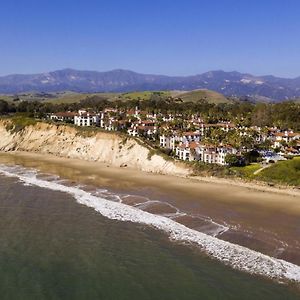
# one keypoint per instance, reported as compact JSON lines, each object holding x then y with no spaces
{"x":72,"y":97}
{"x":247,"y":171}
{"x":145,"y":95}
{"x":193,"y":96}
{"x":30,"y":97}
{"x":283,"y":172}
{"x":77,"y":97}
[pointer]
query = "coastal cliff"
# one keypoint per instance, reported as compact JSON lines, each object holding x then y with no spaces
{"x":70,"y":142}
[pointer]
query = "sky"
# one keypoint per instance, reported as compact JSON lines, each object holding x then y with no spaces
{"x":168,"y":37}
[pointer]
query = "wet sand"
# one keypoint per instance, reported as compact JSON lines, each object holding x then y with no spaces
{"x":54,"y":248}
{"x":263,"y":220}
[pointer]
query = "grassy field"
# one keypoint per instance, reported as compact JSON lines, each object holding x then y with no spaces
{"x":72,"y":97}
{"x":56,"y":98}
{"x":143,"y":95}
{"x":77,"y":97}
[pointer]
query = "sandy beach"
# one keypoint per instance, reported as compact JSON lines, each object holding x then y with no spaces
{"x":263,"y":218}
{"x":221,"y":189}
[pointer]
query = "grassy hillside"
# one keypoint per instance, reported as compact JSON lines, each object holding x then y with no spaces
{"x":143,"y":95}
{"x":210,"y":96}
{"x":32,"y":96}
{"x":71,"y":97}
{"x":77,"y":97}
{"x":283,"y":172}
{"x":247,"y":171}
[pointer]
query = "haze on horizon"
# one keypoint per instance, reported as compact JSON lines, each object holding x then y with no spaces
{"x":170,"y":38}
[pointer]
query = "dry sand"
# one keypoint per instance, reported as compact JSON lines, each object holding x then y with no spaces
{"x":234,"y":191}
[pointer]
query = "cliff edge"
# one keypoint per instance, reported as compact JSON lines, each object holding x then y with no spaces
{"x":70,"y":142}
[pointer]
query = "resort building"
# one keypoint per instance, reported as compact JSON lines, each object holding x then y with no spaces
{"x":84,"y":118}
{"x":63,"y":116}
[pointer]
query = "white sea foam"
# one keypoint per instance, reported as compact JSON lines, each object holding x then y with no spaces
{"x":238,"y":257}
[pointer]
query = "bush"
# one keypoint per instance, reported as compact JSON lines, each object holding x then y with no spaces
{"x":19,"y":122}
{"x":233,"y":160}
{"x":251,"y":157}
{"x":204,"y":169}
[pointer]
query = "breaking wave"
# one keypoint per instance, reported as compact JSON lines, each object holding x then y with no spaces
{"x":238,"y":257}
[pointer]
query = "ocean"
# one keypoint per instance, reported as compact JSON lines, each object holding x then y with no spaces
{"x":63,"y":240}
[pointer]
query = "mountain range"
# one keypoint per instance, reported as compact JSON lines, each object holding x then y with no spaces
{"x":228,"y":83}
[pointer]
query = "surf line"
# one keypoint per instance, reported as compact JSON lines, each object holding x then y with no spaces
{"x":236,"y":256}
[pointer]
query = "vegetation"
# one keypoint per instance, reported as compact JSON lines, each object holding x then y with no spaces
{"x":283,"y":172}
{"x":246,"y":172}
{"x":19,"y":122}
{"x":283,"y":115}
{"x":202,"y":169}
{"x":206,"y":95}
{"x":233,"y":160}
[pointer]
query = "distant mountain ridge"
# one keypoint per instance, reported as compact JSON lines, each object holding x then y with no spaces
{"x":228,"y":83}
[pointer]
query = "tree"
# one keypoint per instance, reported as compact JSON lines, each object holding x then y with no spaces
{"x":233,"y":160}
{"x":4,"y":108}
{"x":251,"y":156}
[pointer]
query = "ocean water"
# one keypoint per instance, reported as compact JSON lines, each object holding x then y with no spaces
{"x":56,"y":244}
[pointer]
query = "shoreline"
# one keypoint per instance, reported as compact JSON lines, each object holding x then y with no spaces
{"x":217,"y":188}
{"x":234,"y":254}
{"x":237,"y":182}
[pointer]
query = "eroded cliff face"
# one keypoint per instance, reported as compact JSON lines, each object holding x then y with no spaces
{"x":66,"y":141}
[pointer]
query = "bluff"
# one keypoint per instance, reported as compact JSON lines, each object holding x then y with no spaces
{"x":70,"y":142}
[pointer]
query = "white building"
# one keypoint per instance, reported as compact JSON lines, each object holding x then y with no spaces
{"x":286,"y":137}
{"x":84,"y":118}
{"x":167,"y":142}
{"x":205,"y":153}
{"x":63,"y":116}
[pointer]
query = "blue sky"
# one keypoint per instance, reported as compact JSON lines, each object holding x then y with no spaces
{"x":163,"y":37}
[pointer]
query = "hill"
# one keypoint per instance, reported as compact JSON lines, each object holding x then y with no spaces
{"x":71,"y":97}
{"x":210,"y":96}
{"x":76,"y":97}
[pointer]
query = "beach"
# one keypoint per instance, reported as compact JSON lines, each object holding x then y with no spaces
{"x":265,"y":220}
